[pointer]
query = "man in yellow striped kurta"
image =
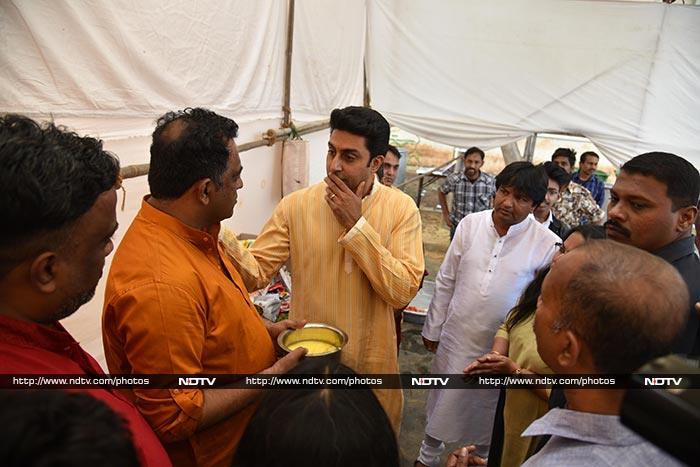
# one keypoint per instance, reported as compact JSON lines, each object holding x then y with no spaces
{"x":355,"y":246}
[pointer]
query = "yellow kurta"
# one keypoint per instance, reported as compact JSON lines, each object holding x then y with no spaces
{"x":522,"y":406}
{"x":353,"y":280}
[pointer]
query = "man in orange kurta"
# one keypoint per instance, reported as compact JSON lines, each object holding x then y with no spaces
{"x":175,"y":304}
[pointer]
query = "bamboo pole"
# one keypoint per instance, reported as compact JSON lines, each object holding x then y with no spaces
{"x":287,"y":106}
{"x":269,"y":138}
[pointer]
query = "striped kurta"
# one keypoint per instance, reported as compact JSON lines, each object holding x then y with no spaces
{"x":353,"y":280}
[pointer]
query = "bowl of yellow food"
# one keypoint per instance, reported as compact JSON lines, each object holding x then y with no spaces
{"x":320,"y":340}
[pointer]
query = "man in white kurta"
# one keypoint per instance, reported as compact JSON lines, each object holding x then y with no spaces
{"x":492,"y":258}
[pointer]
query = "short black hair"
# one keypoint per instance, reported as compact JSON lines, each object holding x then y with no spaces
{"x":54,"y":427}
{"x":49,"y":178}
{"x":588,"y":232}
{"x":363,"y":121}
{"x":474,"y":150}
{"x":556,"y":173}
{"x":584,"y":155}
{"x":322,"y":426}
{"x":525,"y":178}
{"x":680,"y":176}
{"x":392,"y":149}
{"x":195,"y":149}
{"x":628,"y":305}
{"x":566,"y":152}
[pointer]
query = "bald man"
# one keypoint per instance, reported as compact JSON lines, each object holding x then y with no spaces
{"x":605,"y":308}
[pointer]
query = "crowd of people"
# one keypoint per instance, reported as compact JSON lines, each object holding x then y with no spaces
{"x":528,"y":285}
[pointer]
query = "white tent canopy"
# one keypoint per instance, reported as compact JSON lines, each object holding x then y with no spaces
{"x":121,"y":61}
{"x":625,"y":75}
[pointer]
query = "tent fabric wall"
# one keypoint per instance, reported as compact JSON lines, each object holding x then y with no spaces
{"x":115,"y":66}
{"x":136,"y":59}
{"x":110,"y":68}
{"x":328,"y":57}
{"x":623,"y":74}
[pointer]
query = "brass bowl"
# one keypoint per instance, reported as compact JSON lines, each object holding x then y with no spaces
{"x":318,"y":335}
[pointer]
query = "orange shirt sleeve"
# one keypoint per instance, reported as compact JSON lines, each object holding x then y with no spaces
{"x":159,"y":329}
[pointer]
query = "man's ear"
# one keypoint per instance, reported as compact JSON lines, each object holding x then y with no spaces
{"x":570,"y":353}
{"x":686,"y":218}
{"x":43,"y":272}
{"x":203,"y":189}
{"x":376,"y":163}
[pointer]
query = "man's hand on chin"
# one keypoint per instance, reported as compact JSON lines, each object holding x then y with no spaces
{"x":346,"y":205}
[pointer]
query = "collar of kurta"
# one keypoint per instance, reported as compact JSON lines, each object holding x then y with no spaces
{"x":583,"y":426}
{"x":203,"y":239}
{"x":375,"y":188}
{"x":515,"y":228}
{"x":53,"y":337}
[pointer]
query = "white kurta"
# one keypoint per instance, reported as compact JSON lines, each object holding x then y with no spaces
{"x":480,"y":280}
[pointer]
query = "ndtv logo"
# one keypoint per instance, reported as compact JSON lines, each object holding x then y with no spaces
{"x":662,"y":381}
{"x":196,"y":381}
{"x":429,"y":381}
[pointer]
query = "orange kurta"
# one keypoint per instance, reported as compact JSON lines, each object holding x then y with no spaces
{"x":174,"y":304}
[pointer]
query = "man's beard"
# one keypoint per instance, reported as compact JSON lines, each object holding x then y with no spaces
{"x":71,"y":305}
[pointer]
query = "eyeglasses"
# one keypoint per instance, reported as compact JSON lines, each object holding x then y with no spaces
{"x":561,"y":248}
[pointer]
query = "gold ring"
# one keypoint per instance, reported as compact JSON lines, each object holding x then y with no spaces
{"x":332,"y":195}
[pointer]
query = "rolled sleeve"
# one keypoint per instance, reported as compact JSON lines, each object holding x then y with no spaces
{"x":503,"y":332}
{"x":174,"y":414}
{"x":448,"y":185}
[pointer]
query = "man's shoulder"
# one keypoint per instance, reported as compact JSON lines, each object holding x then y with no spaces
{"x":681,"y":255}
{"x":578,"y":189}
{"x":150,"y":255}
{"x":455,"y":177}
{"x":310,"y":192}
{"x":487,"y":177}
{"x":142,"y":241}
{"x":478,"y":217}
{"x":31,"y":357}
{"x":558,"y":227}
{"x":539,"y":231}
{"x":582,"y":453}
{"x":583,"y":438}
